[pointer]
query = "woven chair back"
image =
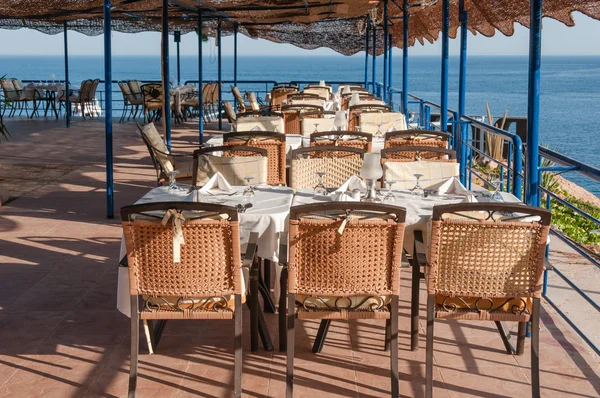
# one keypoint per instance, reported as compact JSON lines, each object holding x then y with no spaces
{"x":234,"y":168}
{"x":354,"y":112}
{"x":292,"y":114}
{"x":126,"y":91}
{"x":352,"y":139}
{"x":488,"y":250}
{"x":273,"y":142}
{"x":153,"y":95}
{"x":280,"y":94}
{"x":338,"y":163}
{"x":423,"y":138}
{"x":157,"y":149}
{"x":135,"y":87}
{"x":323,"y":92}
{"x":432,"y":153}
{"x":210,"y":259}
{"x":90,"y":94}
{"x":229,"y":112}
{"x":9,"y":89}
{"x":214,"y":95}
{"x":345,"y":249}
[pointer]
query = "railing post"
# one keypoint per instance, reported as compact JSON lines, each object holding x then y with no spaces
{"x":200,"y":87}
{"x":390,"y":47}
{"x":444,"y":99}
{"x":177,"y":38}
{"x":219,"y":35}
{"x":235,"y":35}
{"x":518,"y":167}
{"x":385,"y":54}
{"x":166,"y":73}
{"x":462,"y":91}
{"x":405,"y":17}
{"x":532,"y":193}
{"x":108,"y":127}
{"x":368,"y":30}
{"x":67,"y":85}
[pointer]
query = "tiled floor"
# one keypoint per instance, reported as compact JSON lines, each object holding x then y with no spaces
{"x":61,"y":336}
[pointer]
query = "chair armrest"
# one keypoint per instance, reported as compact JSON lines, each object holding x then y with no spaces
{"x":420,"y":253}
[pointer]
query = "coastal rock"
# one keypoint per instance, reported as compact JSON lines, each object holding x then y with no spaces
{"x":3,"y":195}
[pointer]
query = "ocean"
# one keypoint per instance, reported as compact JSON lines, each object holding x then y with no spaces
{"x":570,"y":104}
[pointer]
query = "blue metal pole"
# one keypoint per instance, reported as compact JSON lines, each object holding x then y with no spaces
{"x":405,"y":60}
{"x":67,"y":86}
{"x":385,"y":49}
{"x":462,"y":91}
{"x":235,"y":35}
{"x":166,"y":73}
{"x":200,"y":99}
{"x":373,"y":72}
{"x":532,"y":193}
{"x":390,"y":47}
{"x":444,"y":99}
{"x":108,"y":127}
{"x":219,"y":31}
{"x":177,"y":41}
{"x":367,"y":53}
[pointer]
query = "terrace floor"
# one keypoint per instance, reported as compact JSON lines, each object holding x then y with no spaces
{"x":61,"y":335}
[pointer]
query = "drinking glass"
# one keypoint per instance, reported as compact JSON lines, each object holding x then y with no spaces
{"x":173,"y":187}
{"x":379,"y":132}
{"x":316,"y":129}
{"x":389,"y":196}
{"x":320,"y":187}
{"x":496,"y":196}
{"x":417,"y":189}
{"x":248,"y":193}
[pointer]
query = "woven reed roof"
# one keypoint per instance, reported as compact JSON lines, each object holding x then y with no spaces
{"x":337,"y":24}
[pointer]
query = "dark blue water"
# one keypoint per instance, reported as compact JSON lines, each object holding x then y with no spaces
{"x":570,"y":107}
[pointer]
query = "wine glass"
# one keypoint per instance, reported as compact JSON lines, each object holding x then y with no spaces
{"x":496,"y":196}
{"x":389,"y":196}
{"x":320,"y":187}
{"x":417,"y":189}
{"x":379,"y":132}
{"x":249,"y":190}
{"x":173,"y":187}
{"x":316,"y":128}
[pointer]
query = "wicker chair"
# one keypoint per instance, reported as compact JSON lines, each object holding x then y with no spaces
{"x":199,"y":279}
{"x":233,"y":168}
{"x":486,"y":263}
{"x":13,"y":95}
{"x":132,"y":102}
{"x":437,"y":139}
{"x":352,"y":139}
{"x":363,"y":97}
{"x":323,"y":92}
{"x":338,"y":163}
{"x":304,"y":96}
{"x":416,"y":153}
{"x":344,"y":263}
{"x":273,"y":142}
{"x":291,"y":116}
{"x":280,"y":94}
{"x":241,"y":104}
{"x":313,"y":122}
{"x":163,"y":160}
{"x":254,"y":104}
{"x":153,"y":101}
{"x":355,"y":111}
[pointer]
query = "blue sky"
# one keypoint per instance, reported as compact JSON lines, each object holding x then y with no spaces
{"x":557,"y":40}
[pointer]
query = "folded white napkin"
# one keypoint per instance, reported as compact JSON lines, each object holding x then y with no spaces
{"x":216,"y":185}
{"x":351,"y":184}
{"x":339,"y":196}
{"x":256,"y":128}
{"x":451,"y":186}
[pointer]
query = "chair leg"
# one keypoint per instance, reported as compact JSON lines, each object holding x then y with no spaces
{"x":238,"y":346}
{"x":254,"y":308}
{"x":321,"y":336}
{"x":291,"y":318}
{"x":504,"y":335}
{"x":393,"y":343}
{"x":388,"y":331}
{"x":414,"y":306}
{"x":521,"y":338}
{"x":429,"y":347}
{"x":135,"y":336}
{"x":148,"y":335}
{"x":535,"y":349}
{"x":282,"y":311}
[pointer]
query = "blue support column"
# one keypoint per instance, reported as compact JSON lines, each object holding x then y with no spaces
{"x":462,"y":92}
{"x":444,"y":85}
{"x":166,"y":73}
{"x":532,"y":193}
{"x":67,"y":85}
{"x":368,"y":30}
{"x":235,"y":59}
{"x":177,"y":35}
{"x":200,"y":99}
{"x":405,"y":60}
{"x":385,"y":49}
{"x":390,"y":46}
{"x":373,"y":72}
{"x":219,"y":32}
{"x":108,"y":126}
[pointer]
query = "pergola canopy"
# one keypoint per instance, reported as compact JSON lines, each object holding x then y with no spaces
{"x":337,"y":24}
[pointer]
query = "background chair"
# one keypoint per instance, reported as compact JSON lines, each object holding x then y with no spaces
{"x":273,"y":142}
{"x":153,"y":101}
{"x":487,"y":269}
{"x":291,"y":116}
{"x":416,"y":153}
{"x":251,"y":121}
{"x":241,"y":104}
{"x":355,"y":110}
{"x":280,"y":94}
{"x":205,"y":283}
{"x":354,"y":139}
{"x":234,"y":168}
{"x":344,"y":263}
{"x":315,"y":121}
{"x":431,"y":138}
{"x":306,"y":162}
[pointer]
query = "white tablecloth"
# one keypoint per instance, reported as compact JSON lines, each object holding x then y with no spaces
{"x":268,"y":217}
